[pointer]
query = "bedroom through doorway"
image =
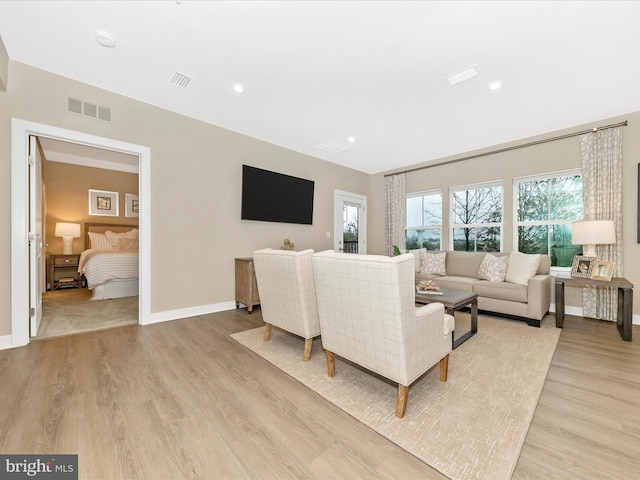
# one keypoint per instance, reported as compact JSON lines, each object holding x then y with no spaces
{"x":70,"y":173}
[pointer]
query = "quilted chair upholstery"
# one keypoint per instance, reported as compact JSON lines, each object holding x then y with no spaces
{"x":287,"y":293}
{"x":368,"y":316}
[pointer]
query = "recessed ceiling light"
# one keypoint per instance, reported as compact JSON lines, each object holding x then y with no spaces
{"x":238,"y":88}
{"x":495,"y":85}
{"x":105,"y":39}
{"x":351,"y":139}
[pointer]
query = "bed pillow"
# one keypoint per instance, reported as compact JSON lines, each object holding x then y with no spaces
{"x":493,"y":267}
{"x":433,"y":263}
{"x":522,"y":267}
{"x":99,"y":241}
{"x":128,"y":244}
{"x":114,"y":238}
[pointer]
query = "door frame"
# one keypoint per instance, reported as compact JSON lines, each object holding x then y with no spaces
{"x":20,"y":132}
{"x":339,"y":197}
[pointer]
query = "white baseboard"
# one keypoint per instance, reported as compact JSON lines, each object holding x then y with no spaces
{"x":169,"y":315}
{"x":577,"y":311}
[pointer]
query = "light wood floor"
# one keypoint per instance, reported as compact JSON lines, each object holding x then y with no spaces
{"x":183,"y":400}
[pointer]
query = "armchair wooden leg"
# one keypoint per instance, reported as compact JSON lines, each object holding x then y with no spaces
{"x":267,"y":332}
{"x":444,"y":368}
{"x":331,"y":364}
{"x":308,"y":345}
{"x":401,"y":404}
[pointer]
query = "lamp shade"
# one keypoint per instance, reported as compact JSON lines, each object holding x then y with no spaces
{"x":64,"y":229}
{"x":594,"y":232}
{"x":591,"y":233}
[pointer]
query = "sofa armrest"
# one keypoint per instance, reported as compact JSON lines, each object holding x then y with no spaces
{"x":539,"y":296}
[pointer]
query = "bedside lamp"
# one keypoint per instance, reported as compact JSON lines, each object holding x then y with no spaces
{"x":68,"y":231}
{"x":592,"y":233}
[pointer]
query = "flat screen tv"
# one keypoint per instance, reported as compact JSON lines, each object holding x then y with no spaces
{"x":275,"y":197}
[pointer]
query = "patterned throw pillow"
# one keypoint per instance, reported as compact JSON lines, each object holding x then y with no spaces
{"x":433,"y":263}
{"x":493,"y":267}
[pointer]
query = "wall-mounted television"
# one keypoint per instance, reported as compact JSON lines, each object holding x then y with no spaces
{"x":275,"y":197}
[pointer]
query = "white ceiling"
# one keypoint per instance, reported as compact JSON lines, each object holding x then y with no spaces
{"x":328,"y":70}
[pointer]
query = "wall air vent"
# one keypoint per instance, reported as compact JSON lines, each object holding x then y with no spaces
{"x":88,"y":109}
{"x":180,"y":80}
{"x":334,"y":146}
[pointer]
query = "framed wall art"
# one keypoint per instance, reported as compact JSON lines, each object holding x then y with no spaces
{"x":132,"y":205}
{"x":602,"y":270}
{"x":103,"y":203}
{"x":582,"y":266}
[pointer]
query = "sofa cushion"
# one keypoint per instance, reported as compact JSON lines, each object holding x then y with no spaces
{"x":493,"y":267}
{"x":432,"y":263}
{"x":513,"y":292}
{"x":456,"y":283}
{"x":522,"y":267}
{"x":464,"y":264}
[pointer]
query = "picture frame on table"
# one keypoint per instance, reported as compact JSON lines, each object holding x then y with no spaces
{"x":602,"y":270}
{"x":132,"y":205}
{"x":103,"y":203}
{"x":582,"y":266}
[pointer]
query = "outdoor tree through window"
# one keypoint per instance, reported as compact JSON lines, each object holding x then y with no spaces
{"x":546,"y":207}
{"x":476,"y":217}
{"x":424,"y":220}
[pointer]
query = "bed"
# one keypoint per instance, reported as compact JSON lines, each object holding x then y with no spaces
{"x":109,"y":262}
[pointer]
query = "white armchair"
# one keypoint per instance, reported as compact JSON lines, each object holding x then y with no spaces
{"x":287,"y":293}
{"x":368,"y":316}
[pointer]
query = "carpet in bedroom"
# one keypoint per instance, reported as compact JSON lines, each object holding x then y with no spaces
{"x":70,"y":311}
{"x":471,"y":427}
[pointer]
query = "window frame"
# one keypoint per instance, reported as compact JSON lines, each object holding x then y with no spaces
{"x":474,"y":186}
{"x":516,"y":223}
{"x":436,"y":191}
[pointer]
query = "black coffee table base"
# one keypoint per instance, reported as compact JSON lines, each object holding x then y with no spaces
{"x":455,"y":300}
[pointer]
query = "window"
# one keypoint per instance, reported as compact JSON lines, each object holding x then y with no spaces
{"x":424,"y":220}
{"x":476,"y":217}
{"x":546,"y":206}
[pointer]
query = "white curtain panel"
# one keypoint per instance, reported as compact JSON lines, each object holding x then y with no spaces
{"x":601,"y":153}
{"x":395,"y":212}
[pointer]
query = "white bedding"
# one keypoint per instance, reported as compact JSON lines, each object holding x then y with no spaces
{"x":101,"y":266}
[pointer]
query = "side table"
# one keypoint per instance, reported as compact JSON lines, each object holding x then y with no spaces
{"x":63,"y":271}
{"x":625,"y":299}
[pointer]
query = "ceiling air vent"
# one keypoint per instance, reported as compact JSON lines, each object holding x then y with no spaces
{"x":88,"y":109}
{"x":334,"y":146}
{"x":180,"y":80}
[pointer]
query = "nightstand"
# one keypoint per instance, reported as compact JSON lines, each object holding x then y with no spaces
{"x":63,"y":271}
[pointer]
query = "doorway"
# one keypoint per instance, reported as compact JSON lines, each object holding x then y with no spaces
{"x":69,"y":170}
{"x":21,"y":279}
{"x":350,"y":222}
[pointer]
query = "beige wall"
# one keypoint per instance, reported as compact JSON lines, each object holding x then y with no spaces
{"x":67,"y":188}
{"x":196,"y":230}
{"x":548,"y":157}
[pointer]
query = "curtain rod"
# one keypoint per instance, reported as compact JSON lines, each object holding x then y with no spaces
{"x":515,"y":147}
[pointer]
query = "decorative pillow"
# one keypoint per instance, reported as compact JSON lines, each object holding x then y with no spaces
{"x":99,"y":241}
{"x":493,"y":267}
{"x":129,"y":244}
{"x":522,"y":267}
{"x":416,"y":254}
{"x":433,"y":263}
{"x":114,"y":238}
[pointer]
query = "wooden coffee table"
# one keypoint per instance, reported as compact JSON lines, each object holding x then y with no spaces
{"x":455,"y":300}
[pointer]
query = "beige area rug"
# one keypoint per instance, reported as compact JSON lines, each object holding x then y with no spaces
{"x":471,"y":427}
{"x":71,"y":311}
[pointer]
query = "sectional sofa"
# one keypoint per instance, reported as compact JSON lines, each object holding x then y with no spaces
{"x":515,"y":285}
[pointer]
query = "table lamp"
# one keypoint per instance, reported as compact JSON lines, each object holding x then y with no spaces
{"x":68,"y":231}
{"x":591,"y":233}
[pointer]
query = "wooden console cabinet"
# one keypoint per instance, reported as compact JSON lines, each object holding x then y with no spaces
{"x":246,"y":285}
